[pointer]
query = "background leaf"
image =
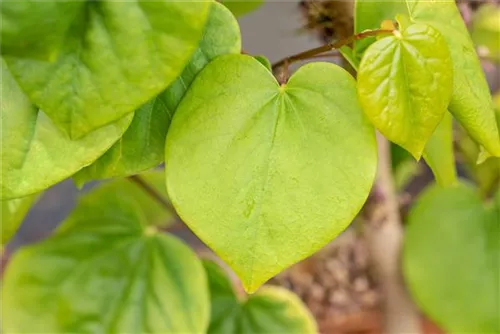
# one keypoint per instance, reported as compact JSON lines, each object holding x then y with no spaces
{"x":36,"y":29}
{"x":269,"y":310}
{"x":265,"y":213}
{"x":106,"y":270}
{"x":451,"y":258}
{"x":486,"y":30}
{"x":116,"y":56}
{"x":240,"y":8}
{"x":34,"y":153}
{"x":13,"y":213}
{"x":439,"y":155}
{"x":405,"y":84}
{"x":143,"y":145}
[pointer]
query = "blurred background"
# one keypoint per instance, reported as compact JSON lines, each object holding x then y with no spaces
{"x":336,"y":283}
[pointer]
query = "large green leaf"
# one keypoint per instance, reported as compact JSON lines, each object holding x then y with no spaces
{"x":143,"y":145}
{"x":240,"y":8}
{"x":471,"y":101}
{"x":439,"y":155}
{"x":107,"y":270}
{"x":486,"y":30}
{"x":115,"y":57}
{"x":13,"y":213}
{"x":452,"y":259}
{"x":270,"y":310}
{"x":35,"y":29}
{"x":405,"y":84}
{"x":33,"y":152}
{"x":267,"y":174}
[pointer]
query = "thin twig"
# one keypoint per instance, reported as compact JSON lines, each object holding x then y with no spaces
{"x":152,"y":192}
{"x":160,"y":199}
{"x":329,"y":47}
{"x":384,"y":235}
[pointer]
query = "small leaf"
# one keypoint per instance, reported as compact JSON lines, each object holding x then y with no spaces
{"x":143,"y":145}
{"x":247,"y":167}
{"x":264,"y":61}
{"x":116,"y":56}
{"x":350,"y":56}
{"x":451,"y":257}
{"x":486,"y":30}
{"x":35,"y":29}
{"x":439,"y":155}
{"x":13,"y":213}
{"x":106,"y":271}
{"x":269,"y":310}
{"x":471,"y":101}
{"x":405,"y":84}
{"x":34,"y":153}
{"x":240,"y":8}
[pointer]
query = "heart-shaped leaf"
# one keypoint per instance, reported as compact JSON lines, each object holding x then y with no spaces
{"x":116,"y":56}
{"x":12,"y":213}
{"x":471,"y":102}
{"x":405,"y":85}
{"x":34,"y":153}
{"x":143,"y":145}
{"x":106,"y":271}
{"x":452,"y":257}
{"x":270,"y":310}
{"x":36,"y":29}
{"x":267,"y":174}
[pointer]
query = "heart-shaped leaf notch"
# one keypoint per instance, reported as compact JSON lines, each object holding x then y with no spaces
{"x":267,"y":174}
{"x":452,"y":259}
{"x":271,"y":310}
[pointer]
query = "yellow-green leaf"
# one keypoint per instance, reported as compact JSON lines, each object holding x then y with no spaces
{"x":106,"y":270}
{"x":34,"y":154}
{"x":439,"y":155}
{"x":452,"y":256}
{"x":270,"y":310}
{"x":405,"y":84}
{"x":143,"y":145}
{"x":253,"y":167}
{"x":115,"y":56}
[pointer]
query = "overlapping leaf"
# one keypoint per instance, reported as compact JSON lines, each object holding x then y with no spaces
{"x":106,"y":270}
{"x":253,"y":167}
{"x":115,"y":57}
{"x":143,"y":145}
{"x":36,"y":29}
{"x":34,"y":153}
{"x":405,"y":84}
{"x":452,"y":259}
{"x":471,"y":101}
{"x":270,"y":310}
{"x":12,"y":214}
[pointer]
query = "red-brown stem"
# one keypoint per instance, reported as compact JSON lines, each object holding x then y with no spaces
{"x":329,"y":47}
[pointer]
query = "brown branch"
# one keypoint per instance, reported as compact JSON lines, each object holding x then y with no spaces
{"x":160,"y":199}
{"x":384,"y":235}
{"x":329,"y":47}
